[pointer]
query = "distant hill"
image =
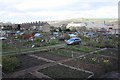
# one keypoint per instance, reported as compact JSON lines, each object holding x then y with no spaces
{"x":57,"y":23}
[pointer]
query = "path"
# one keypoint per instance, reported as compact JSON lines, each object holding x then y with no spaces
{"x":27,"y":51}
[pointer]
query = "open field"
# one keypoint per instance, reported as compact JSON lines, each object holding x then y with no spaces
{"x":32,"y":50}
{"x":81,"y":48}
{"x":93,"y":63}
{"x":49,"y":56}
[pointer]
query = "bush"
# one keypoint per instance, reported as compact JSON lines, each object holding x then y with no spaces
{"x":6,"y":46}
{"x":66,"y":36}
{"x":83,"y":38}
{"x":38,"y":40}
{"x":10,"y":63}
{"x":92,"y":43}
{"x":27,"y":43}
{"x":20,"y":37}
{"x":110,"y":44}
{"x":53,"y":42}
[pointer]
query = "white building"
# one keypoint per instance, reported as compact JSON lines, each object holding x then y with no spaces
{"x":75,"y":25}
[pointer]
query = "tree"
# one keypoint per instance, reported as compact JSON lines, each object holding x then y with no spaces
{"x":67,"y":30}
{"x":18,"y":27}
{"x":10,"y":27}
{"x":60,"y":30}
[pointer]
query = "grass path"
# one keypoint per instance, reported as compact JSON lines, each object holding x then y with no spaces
{"x":25,"y":51}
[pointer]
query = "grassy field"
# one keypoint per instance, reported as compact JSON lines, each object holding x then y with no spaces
{"x":81,"y":48}
{"x":109,"y":52}
{"x":30,"y":50}
{"x":21,"y":45}
{"x":61,"y":52}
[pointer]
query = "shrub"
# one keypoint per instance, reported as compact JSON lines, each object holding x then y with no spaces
{"x":6,"y":46}
{"x":53,"y":42}
{"x":27,"y":43}
{"x":83,"y":37}
{"x":66,"y":36}
{"x":110,"y":44}
{"x":92,"y":43}
{"x":38,"y":40}
{"x":10,"y":63}
{"x":20,"y":37}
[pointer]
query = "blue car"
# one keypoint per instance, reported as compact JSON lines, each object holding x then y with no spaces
{"x":73,"y":41}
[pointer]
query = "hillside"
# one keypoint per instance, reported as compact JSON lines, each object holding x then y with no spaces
{"x":57,"y":23}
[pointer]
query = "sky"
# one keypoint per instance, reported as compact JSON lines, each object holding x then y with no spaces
{"x":20,"y":11}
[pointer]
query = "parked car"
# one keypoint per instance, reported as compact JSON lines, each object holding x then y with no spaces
{"x":3,"y":38}
{"x":73,"y":41}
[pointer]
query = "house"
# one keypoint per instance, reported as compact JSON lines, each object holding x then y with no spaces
{"x":103,"y":31}
{"x":43,"y":26}
{"x":75,"y":25}
{"x":5,"y":26}
{"x":40,"y":26}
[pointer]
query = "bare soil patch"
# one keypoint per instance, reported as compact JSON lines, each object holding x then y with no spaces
{"x":27,"y":62}
{"x":108,"y":64}
{"x":59,"y":71}
{"x":96,"y":68}
{"x":50,"y":56}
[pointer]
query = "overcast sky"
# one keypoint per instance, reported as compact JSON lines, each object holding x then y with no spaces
{"x":18,"y":11}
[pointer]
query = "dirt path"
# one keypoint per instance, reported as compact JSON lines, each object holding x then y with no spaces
{"x":38,"y":74}
{"x":41,"y":58}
